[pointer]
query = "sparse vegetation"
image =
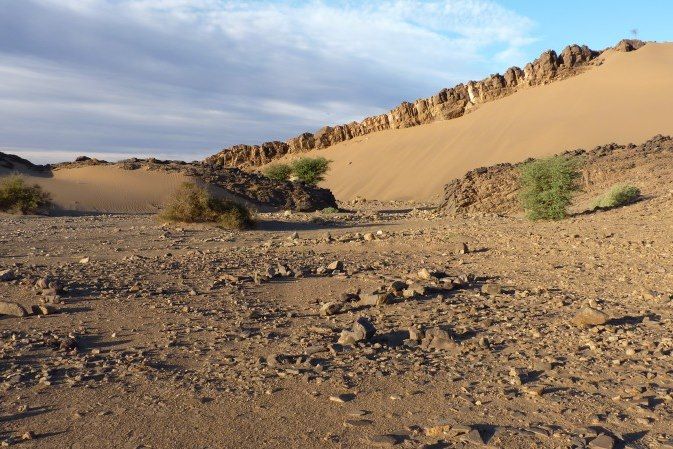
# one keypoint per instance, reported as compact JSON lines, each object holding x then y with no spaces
{"x":547,"y":187}
{"x":278,"y":171}
{"x":618,"y":195}
{"x":310,"y":170}
{"x":194,"y":204}
{"x":330,"y":210}
{"x":18,"y":197}
{"x":307,"y":169}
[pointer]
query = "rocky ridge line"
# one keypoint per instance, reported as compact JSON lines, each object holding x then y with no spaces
{"x":447,"y":104}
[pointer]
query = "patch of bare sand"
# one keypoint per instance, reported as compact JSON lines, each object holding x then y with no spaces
{"x":106,"y":189}
{"x":626,"y":99}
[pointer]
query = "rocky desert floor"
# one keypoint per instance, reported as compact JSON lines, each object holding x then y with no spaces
{"x":386,"y":326}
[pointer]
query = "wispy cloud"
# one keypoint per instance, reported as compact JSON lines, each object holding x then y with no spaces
{"x":191,"y":76}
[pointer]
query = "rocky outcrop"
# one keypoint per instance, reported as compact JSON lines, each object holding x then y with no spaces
{"x":446,"y":104}
{"x":629,"y":45}
{"x":14,"y":162}
{"x":253,"y":188}
{"x":495,"y":189}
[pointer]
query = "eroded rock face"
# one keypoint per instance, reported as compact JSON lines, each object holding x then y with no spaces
{"x":446,"y":104}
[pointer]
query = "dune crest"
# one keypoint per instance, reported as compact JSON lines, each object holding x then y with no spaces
{"x":625,"y":100}
{"x":446,"y":104}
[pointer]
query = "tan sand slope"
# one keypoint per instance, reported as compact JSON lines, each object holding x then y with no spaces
{"x":107,"y":189}
{"x":626,"y":99}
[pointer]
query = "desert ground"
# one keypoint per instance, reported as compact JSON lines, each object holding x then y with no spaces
{"x":425,"y":311}
{"x":189,"y":336}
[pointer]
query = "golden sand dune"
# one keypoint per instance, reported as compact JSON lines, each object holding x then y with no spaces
{"x":144,"y":186}
{"x":626,"y":99}
{"x":108,"y":189}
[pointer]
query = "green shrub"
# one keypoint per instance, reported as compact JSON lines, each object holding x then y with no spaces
{"x":279,"y":172}
{"x":617,"y":195}
{"x":310,"y":170}
{"x":193,"y":204}
{"x":18,"y":197}
{"x":547,"y":187}
{"x":330,"y":210}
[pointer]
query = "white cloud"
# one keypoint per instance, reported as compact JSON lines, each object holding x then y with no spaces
{"x":180,"y":76}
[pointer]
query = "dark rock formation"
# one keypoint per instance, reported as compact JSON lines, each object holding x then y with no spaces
{"x":447,"y":104}
{"x":256,"y":189}
{"x":14,"y":162}
{"x":252,"y":187}
{"x":495,"y":189}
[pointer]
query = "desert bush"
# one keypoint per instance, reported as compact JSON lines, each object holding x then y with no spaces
{"x":330,"y":210}
{"x":279,"y":172}
{"x":18,"y":197}
{"x":310,"y":170}
{"x":193,"y":204}
{"x":547,"y":187}
{"x":617,"y":195}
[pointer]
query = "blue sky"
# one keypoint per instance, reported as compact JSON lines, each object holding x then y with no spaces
{"x":597,"y":23}
{"x":184,"y":78}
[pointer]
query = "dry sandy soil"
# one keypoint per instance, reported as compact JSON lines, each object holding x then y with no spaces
{"x":624,"y":100}
{"x":194,"y":337}
{"x":106,"y":189}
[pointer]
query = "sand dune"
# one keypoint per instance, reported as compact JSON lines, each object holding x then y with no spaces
{"x":626,"y":99}
{"x":107,"y":189}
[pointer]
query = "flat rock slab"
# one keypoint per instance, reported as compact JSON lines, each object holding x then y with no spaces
{"x":12,"y":309}
{"x":383,"y":440}
{"x":602,"y":441}
{"x":588,"y":316}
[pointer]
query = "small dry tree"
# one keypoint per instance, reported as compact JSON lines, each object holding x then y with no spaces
{"x":548,"y":186}
{"x":18,"y":197}
{"x":194,"y":204}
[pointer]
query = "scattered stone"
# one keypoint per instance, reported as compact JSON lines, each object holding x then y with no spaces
{"x":474,"y":436}
{"x":491,"y":289}
{"x":438,"y":338}
{"x":414,"y":290}
{"x":357,"y":423}
{"x":588,"y":316}
{"x":362,"y":330}
{"x":438,"y":431}
{"x":460,"y":248}
{"x":341,"y":398}
{"x":330,"y":308}
{"x":6,"y":275}
{"x":375,"y":299}
{"x":43,"y":309}
{"x":397,"y":287}
{"x":383,"y":440}
{"x":425,"y":274}
{"x":336,"y":266}
{"x":12,"y":309}
{"x":602,"y":441}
